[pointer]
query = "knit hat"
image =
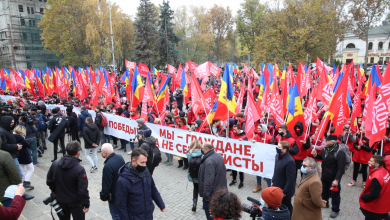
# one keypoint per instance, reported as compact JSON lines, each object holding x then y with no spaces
{"x":141,"y":121}
{"x":54,"y":111}
{"x":147,"y":133}
{"x":272,"y":196}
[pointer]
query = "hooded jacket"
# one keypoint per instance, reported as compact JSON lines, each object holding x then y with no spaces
{"x":299,"y":139}
{"x":72,"y":119}
{"x":9,"y":173}
{"x":281,"y":214}
{"x":91,"y":135}
{"x":9,"y":143}
{"x":24,"y":153}
{"x":135,"y":194}
{"x":81,"y":121}
{"x":71,"y":182}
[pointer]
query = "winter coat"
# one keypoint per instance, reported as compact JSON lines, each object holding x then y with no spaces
{"x":110,"y":176}
{"x":81,"y":121}
{"x":24,"y":153}
{"x":195,"y":153}
{"x":179,"y":99}
{"x":281,"y":214}
{"x":299,"y":139}
{"x":71,"y":182}
{"x":98,"y":120}
{"x":332,"y":168}
{"x":146,"y":144}
{"x":9,"y":173}
{"x":14,"y":210}
{"x":284,"y":174}
{"x":8,"y":143}
{"x":72,"y":119}
{"x":91,"y":135}
{"x":30,"y":130}
{"x":212,"y":175}
{"x":307,"y":199}
{"x":135,"y":194}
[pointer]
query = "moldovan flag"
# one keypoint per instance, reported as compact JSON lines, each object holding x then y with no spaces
{"x":138,"y":88}
{"x":183,"y":85}
{"x":294,"y":109}
{"x":226,"y":101}
{"x":381,"y":110}
{"x":161,"y":97}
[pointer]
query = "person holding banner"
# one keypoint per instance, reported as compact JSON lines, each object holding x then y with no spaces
{"x":240,"y":135}
{"x":262,"y":137}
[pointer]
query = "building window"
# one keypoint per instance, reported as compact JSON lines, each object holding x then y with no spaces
{"x":22,"y":22}
{"x":32,"y":37}
{"x":370,"y":46}
{"x":28,"y":10}
{"x":29,"y":23}
{"x":41,"y":10}
{"x":32,"y":10}
{"x":372,"y":60}
{"x":24,"y":36}
{"x":380,"y":45}
{"x":20,"y":8}
{"x":33,"y":24}
{"x":37,"y":37}
{"x":351,"y":45}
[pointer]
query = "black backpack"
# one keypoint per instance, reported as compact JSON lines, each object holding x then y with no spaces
{"x":194,"y":165}
{"x":154,"y":156}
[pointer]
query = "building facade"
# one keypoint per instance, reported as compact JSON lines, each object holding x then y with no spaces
{"x":20,"y":41}
{"x":353,"y":48}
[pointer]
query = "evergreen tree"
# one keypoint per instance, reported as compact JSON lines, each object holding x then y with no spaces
{"x":145,"y":33}
{"x":166,"y":35}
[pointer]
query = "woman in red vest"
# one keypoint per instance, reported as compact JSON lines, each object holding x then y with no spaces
{"x":374,"y":200}
{"x":361,"y":156}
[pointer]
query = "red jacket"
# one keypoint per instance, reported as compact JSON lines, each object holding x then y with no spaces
{"x":134,"y":117}
{"x":302,"y":147}
{"x":171,"y":124}
{"x":261,"y":138}
{"x":381,"y":204}
{"x":15,"y":209}
{"x":191,"y":116}
{"x":386,"y":146}
{"x":294,"y":150}
{"x":206,"y":130}
{"x":361,"y":156}
{"x":184,"y":127}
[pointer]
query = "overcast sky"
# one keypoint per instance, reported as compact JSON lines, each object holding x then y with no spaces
{"x":130,"y":6}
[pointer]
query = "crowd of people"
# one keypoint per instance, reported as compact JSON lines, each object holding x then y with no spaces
{"x":129,"y":188}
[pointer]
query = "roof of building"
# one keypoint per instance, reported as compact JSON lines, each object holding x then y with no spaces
{"x":383,"y":29}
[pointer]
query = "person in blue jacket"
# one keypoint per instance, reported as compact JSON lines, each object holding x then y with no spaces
{"x":135,"y":189}
{"x":81,"y":121}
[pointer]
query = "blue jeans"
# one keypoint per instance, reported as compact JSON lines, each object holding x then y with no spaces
{"x":326,"y":184}
{"x":206,"y":207}
{"x":20,"y":170}
{"x":113,"y":211}
{"x":7,"y":202}
{"x":123,"y":144}
{"x":132,"y":145}
{"x":104,"y":138}
{"x":258,"y":178}
{"x":33,"y":149}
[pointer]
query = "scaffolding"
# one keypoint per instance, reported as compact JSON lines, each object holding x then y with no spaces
{"x":21,"y":46}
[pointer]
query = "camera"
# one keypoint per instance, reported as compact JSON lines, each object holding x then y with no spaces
{"x":254,"y":209}
{"x":53,"y":203}
{"x":29,"y":119}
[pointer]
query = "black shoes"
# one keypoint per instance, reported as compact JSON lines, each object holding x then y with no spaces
{"x":240,"y":185}
{"x":194,"y":205}
{"x":59,"y":152}
{"x":234,"y":182}
{"x":334,"y":214}
{"x":53,"y":160}
{"x":27,"y":197}
{"x":186,"y":167}
{"x":27,"y":185}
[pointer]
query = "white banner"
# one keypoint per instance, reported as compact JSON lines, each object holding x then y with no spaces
{"x":9,"y":97}
{"x":76,"y":110}
{"x":253,"y":158}
{"x":245,"y":156}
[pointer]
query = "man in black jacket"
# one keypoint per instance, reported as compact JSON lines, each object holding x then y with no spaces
{"x":91,"y":142}
{"x":146,"y":141}
{"x":72,"y":124}
{"x":333,"y":168}
{"x":98,"y":121}
{"x":284,"y":173}
{"x":211,"y":177}
{"x":71,"y":183}
{"x":55,"y":125}
{"x":110,"y":176}
{"x":179,"y":99}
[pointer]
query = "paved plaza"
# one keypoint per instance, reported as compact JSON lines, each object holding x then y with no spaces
{"x":175,"y":190}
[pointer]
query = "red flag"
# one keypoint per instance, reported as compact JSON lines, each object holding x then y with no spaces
{"x":310,"y":109}
{"x":148,"y":97}
{"x":241,"y":99}
{"x":209,"y":97}
{"x":41,"y":90}
{"x":143,"y":69}
{"x":255,"y":75}
{"x":130,"y":65}
{"x":178,"y":76}
{"x":381,"y":110}
{"x":368,"y":109}
{"x":324,"y":91}
{"x":198,"y":101}
{"x":338,"y":105}
{"x":192,"y":66}
{"x":298,"y":78}
{"x":204,"y":70}
{"x":276,"y":103}
{"x":307,"y":83}
{"x":171,"y":69}
{"x":94,"y":95}
{"x":251,"y":116}
{"x":356,"y":109}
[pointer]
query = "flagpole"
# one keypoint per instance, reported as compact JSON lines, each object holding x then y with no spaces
{"x":382,"y":148}
{"x":227,"y":128}
{"x":266,"y":124}
{"x":315,"y":143}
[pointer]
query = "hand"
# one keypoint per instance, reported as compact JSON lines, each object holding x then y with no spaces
{"x":79,"y":133}
{"x":335,"y":183}
{"x":19,"y":146}
{"x":85,"y":210}
{"x":284,"y":195}
{"x":240,"y":139}
{"x":217,"y":135}
{"x":253,"y":141}
{"x":304,"y":142}
{"x":324,"y":201}
{"x":136,"y":140}
{"x":163,"y":210}
{"x":314,"y":152}
{"x":385,"y":138}
{"x":19,"y":191}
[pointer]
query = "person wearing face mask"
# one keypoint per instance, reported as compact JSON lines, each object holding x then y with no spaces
{"x":133,"y":114}
{"x":215,"y":128}
{"x":285,"y":135}
{"x":262,"y":137}
{"x":197,"y":125}
{"x":112,"y":164}
{"x":374,"y":200}
{"x":303,"y":145}
{"x":284,"y":173}
{"x":361,"y":154}
{"x":168,"y":121}
{"x":71,"y":183}
{"x":333,"y":168}
{"x":307,"y":199}
{"x":272,"y":206}
{"x":136,"y":190}
{"x":238,"y":135}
